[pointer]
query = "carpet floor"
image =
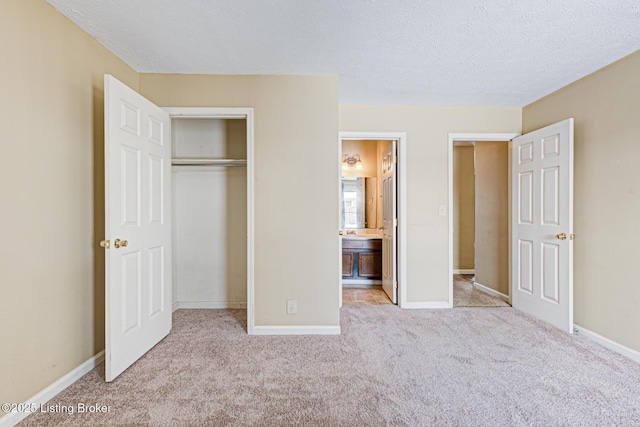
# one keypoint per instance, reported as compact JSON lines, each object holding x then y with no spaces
{"x":466,"y":295}
{"x":393,"y":367}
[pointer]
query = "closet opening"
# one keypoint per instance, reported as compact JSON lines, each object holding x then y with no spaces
{"x":212,"y":220}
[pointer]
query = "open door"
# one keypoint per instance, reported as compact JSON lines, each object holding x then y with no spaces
{"x":542,"y":224}
{"x":390,"y":222}
{"x":138,"y":225}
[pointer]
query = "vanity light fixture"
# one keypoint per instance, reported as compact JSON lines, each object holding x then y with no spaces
{"x":351,"y":161}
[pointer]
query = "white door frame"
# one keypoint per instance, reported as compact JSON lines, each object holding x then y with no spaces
{"x":234,"y":113}
{"x":455,"y":137}
{"x":401,"y":137}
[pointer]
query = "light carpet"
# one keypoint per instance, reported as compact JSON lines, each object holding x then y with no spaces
{"x":394,"y":367}
{"x":466,"y":295}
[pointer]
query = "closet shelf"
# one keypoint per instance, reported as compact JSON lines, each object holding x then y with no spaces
{"x":208,"y":162}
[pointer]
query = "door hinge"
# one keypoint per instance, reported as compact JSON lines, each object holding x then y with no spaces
{"x":395,"y":222}
{"x":395,"y":159}
{"x":395,"y":285}
{"x":105,"y":244}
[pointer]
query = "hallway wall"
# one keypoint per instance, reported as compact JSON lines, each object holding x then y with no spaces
{"x":463,"y":208}
{"x":492,"y":215}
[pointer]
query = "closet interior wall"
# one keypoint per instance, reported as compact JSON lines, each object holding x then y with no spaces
{"x":209,"y":214}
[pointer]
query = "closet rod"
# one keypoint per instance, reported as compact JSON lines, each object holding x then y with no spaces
{"x":207,"y":162}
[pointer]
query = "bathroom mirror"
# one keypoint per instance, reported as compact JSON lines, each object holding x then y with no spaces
{"x":358,"y":203}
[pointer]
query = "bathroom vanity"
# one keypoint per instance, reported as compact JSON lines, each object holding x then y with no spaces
{"x":361,"y":260}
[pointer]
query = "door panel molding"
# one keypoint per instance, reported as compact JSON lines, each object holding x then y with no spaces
{"x":550,"y":297}
{"x":138,"y":223}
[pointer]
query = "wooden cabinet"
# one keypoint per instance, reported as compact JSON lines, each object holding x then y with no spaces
{"x":348,"y":264}
{"x":370,"y":264}
{"x":361,"y":258}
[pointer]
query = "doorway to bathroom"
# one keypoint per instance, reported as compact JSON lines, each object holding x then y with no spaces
{"x":372,"y":213}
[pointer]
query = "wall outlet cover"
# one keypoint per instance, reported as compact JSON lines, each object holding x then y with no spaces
{"x":292,"y":306}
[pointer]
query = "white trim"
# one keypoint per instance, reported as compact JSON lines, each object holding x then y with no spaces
{"x":296,"y":330}
{"x":348,"y":282}
{"x":176,"y":305}
{"x":611,"y":345}
{"x":208,"y":112}
{"x":51,"y":391}
{"x":339,"y":237}
{"x":209,"y":304}
{"x":492,"y":292}
{"x":453,"y":137}
{"x":250,"y":223}
{"x":464,"y":271}
{"x":401,"y":137}
{"x":433,"y":304}
{"x":235,"y":113}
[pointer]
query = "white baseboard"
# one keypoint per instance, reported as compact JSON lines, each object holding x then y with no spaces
{"x":434,"y":304}
{"x":611,"y":345}
{"x":464,"y":271}
{"x":209,"y":304}
{"x":347,"y":282}
{"x":48,"y":393}
{"x":492,"y":292}
{"x":296,"y":330}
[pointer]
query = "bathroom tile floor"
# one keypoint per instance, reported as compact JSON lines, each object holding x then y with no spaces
{"x":364,"y":296}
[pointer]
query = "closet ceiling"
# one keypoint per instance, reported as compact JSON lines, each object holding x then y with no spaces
{"x":412,"y":52}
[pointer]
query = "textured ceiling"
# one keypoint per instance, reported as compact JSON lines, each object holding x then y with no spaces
{"x":413,"y":52}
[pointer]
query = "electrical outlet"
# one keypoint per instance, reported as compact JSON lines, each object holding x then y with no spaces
{"x":292,"y":306}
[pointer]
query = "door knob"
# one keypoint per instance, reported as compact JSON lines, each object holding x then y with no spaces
{"x":561,"y":236}
{"x":120,"y":243}
{"x":572,"y":236}
{"x":105,"y":244}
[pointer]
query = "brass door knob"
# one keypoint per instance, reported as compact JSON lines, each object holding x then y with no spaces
{"x":120,"y":243}
{"x":561,"y":236}
{"x":105,"y":244}
{"x":572,"y":236}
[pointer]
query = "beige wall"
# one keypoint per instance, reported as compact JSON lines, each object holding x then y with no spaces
{"x":463,"y":208}
{"x":296,"y":184}
{"x":427,"y":131}
{"x":368,"y":154}
{"x":52,"y":216}
{"x":492,"y":215}
{"x":606,"y":108}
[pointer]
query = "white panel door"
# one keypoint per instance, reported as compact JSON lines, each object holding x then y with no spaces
{"x":542,"y":224}
{"x":138,"y":225}
{"x":389,"y":223}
